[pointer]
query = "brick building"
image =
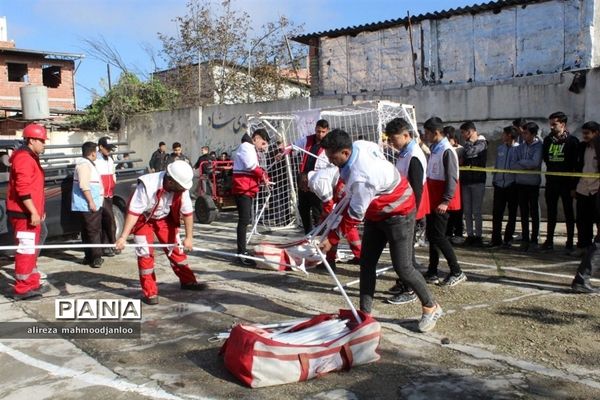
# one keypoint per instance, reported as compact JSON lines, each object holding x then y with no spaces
{"x":20,"y":67}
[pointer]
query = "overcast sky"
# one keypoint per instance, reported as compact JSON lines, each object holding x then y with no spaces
{"x":60,"y":25}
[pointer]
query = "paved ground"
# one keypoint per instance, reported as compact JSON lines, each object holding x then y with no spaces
{"x":513,"y":331}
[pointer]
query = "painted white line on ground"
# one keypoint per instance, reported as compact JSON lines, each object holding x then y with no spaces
{"x":536,"y":285}
{"x":489,"y":266}
{"x":527,"y":271}
{"x":92,"y":379}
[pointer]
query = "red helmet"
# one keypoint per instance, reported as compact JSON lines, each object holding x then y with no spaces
{"x":35,"y":131}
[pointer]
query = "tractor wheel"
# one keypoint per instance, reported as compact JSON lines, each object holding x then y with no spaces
{"x":206,"y":210}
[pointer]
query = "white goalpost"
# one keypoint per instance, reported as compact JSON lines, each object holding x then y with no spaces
{"x":276,"y":206}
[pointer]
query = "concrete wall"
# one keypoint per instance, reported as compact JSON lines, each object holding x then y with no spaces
{"x":145,"y":131}
{"x":219,"y":126}
{"x":492,"y":107}
{"x":536,"y":39}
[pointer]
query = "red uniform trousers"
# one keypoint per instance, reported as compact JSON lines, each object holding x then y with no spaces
{"x":166,"y":232}
{"x":27,"y":277}
{"x":352,"y":236}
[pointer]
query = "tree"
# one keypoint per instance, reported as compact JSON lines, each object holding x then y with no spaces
{"x":128,"y":97}
{"x":215,"y":52}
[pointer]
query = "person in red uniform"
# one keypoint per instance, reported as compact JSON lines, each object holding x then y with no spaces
{"x":160,"y":200}
{"x":444,"y":194}
{"x":247,"y":177}
{"x":386,"y":202}
{"x":25,"y":206}
{"x":309,"y":205}
{"x":412,"y":165}
{"x":326,"y":184}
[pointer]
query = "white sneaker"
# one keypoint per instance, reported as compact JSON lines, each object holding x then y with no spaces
{"x":43,"y":275}
{"x":428,"y":320}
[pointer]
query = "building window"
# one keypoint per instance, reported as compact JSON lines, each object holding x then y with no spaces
{"x":51,"y":76}
{"x":17,"y":72}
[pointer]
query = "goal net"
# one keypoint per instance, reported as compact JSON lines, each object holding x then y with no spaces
{"x":277,"y":204}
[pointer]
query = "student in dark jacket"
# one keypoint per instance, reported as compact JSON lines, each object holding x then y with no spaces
{"x":586,"y":191}
{"x":158,"y":160}
{"x":581,"y":283}
{"x":473,"y":182}
{"x":529,"y":157}
{"x":560,"y":155}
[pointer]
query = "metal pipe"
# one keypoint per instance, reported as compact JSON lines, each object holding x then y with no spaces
{"x":337,"y":282}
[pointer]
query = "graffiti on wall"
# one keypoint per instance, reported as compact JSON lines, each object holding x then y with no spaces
{"x":238,"y":124}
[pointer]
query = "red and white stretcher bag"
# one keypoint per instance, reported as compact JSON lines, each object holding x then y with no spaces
{"x":282,"y":254}
{"x":258,"y":361}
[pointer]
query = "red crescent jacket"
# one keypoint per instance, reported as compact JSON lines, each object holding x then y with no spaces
{"x":374,"y":197}
{"x":247,"y":174}
{"x":26,"y":181}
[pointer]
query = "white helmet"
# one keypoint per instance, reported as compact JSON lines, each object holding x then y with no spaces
{"x":322,"y":182}
{"x":182,"y":173}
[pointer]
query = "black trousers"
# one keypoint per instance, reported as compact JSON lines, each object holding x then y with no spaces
{"x":554,"y":191}
{"x":309,"y":208}
{"x":108,"y":221}
{"x":503,"y":198}
{"x":244,"y":207}
{"x":435,"y":230}
{"x":590,"y":261}
{"x":91,"y":233}
{"x":587,"y":217}
{"x":455,"y":225}
{"x":528,"y":203}
{"x":397,"y":231}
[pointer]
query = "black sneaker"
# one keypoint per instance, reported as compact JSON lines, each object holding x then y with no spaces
{"x":431,"y":277}
{"x":583,"y":288}
{"x":32,"y":293}
{"x":398,"y":288}
{"x":354,"y":261}
{"x":547,"y":246}
{"x":97,"y":263}
{"x":493,"y":244}
{"x":477,"y":241}
{"x":151,"y":301}
{"x":454,"y":279}
{"x":322,"y":267}
{"x":194,"y":286}
{"x":108,"y":252}
{"x":246,"y":262}
{"x":403,"y":298}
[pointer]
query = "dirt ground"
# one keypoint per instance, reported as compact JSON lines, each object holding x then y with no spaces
{"x":513,"y":330}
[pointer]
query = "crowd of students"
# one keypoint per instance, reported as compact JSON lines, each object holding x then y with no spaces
{"x":443,"y":182}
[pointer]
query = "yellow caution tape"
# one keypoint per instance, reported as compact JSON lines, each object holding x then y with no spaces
{"x":531,"y":172}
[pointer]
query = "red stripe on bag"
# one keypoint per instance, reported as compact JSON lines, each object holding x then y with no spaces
{"x":304,"y":365}
{"x":346,"y":354}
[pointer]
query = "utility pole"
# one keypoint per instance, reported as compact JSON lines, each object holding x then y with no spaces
{"x":108,"y":73}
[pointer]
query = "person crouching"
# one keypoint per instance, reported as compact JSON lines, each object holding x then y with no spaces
{"x":160,"y":200}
